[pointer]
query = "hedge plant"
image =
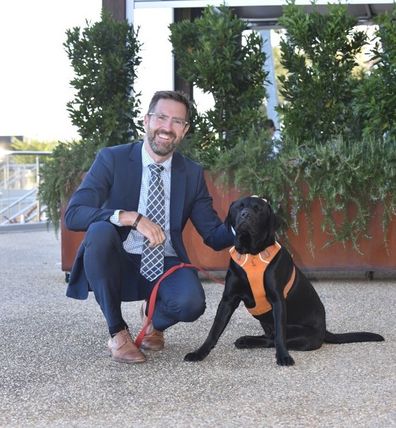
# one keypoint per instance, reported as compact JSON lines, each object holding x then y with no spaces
{"x":105,"y":109}
{"x":216,"y":54}
{"x":319,"y":53}
{"x":375,"y":98}
{"x":324,"y":158}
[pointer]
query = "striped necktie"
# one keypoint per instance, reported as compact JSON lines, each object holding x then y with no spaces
{"x":152,"y":263}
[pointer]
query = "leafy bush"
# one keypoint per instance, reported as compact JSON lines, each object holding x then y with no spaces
{"x":375,"y":100}
{"x":104,"y":57}
{"x":215,"y":54}
{"x":105,"y":109}
{"x":324,"y":156}
{"x":348,"y":179}
{"x":60,"y":176}
{"x":319,"y":52}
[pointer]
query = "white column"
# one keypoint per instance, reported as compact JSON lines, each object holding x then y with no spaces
{"x":129,"y":10}
{"x":272,"y":100}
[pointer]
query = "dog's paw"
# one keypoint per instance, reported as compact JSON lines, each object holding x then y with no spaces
{"x":194,"y":356}
{"x":285,"y":360}
{"x":249,"y":342}
{"x":242,"y":343}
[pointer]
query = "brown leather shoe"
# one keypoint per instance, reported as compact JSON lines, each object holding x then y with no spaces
{"x":153,"y":340}
{"x":123,"y":350}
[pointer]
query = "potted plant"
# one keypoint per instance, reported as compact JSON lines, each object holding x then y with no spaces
{"x":333,"y":185}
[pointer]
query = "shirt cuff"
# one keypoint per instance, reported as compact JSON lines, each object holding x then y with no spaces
{"x":115,"y":218}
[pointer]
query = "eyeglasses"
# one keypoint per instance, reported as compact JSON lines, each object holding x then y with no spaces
{"x":162,"y":119}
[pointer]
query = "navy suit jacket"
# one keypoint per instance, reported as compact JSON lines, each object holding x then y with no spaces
{"x":114,"y":181}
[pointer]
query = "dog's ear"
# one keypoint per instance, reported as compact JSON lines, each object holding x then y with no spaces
{"x":230,"y":219}
{"x":278,"y":222}
{"x":274,"y":221}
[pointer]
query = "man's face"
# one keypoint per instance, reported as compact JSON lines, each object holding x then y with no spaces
{"x":165,"y":127}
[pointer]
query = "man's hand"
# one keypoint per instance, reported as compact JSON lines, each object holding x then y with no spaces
{"x":146,"y":227}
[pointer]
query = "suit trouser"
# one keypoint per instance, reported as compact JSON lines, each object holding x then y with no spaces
{"x":114,"y":276}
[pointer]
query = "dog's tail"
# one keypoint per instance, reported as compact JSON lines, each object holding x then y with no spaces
{"x":352,"y":337}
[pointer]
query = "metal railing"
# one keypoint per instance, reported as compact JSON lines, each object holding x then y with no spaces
{"x":19,"y":182}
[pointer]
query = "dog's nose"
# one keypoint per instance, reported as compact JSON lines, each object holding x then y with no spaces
{"x":244,"y":214}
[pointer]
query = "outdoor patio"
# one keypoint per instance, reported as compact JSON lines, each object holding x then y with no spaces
{"x":56,"y":372}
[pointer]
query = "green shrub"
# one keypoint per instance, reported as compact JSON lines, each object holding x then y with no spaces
{"x":375,"y":98}
{"x":105,"y":109}
{"x":215,"y":54}
{"x":319,"y":53}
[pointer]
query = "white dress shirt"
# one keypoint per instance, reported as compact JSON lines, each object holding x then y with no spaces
{"x":134,"y":241}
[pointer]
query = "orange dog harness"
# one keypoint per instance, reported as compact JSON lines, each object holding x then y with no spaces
{"x":255,"y":266}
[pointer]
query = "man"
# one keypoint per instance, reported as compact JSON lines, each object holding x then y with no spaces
{"x":133,"y":204}
{"x":275,"y":136}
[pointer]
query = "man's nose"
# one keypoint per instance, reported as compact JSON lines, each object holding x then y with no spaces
{"x":168,"y":124}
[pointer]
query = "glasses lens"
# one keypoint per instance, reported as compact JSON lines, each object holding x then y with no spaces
{"x":162,"y":119}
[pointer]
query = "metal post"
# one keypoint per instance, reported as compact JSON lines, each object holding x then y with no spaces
{"x":37,"y":186}
{"x":271,"y":86}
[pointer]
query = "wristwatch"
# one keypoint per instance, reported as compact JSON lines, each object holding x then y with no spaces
{"x":134,"y":226}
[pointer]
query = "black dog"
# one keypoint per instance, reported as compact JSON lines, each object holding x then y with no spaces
{"x":280,"y":297}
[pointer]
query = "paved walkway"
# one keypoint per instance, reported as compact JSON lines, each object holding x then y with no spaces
{"x":55,"y":371}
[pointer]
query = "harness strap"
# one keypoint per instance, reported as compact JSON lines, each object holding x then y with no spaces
{"x":255,"y":267}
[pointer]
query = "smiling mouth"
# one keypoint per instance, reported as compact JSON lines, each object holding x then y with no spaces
{"x":165,"y":135}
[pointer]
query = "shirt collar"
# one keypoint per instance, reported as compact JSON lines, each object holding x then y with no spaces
{"x":147,"y":160}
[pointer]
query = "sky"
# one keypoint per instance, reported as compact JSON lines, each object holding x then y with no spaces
{"x":35,"y":71}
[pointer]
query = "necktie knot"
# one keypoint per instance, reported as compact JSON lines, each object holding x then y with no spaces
{"x":156,"y":169}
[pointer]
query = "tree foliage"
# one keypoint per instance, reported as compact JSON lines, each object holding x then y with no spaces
{"x":319,"y":52}
{"x":216,"y":54}
{"x":375,"y":100}
{"x":104,"y":56}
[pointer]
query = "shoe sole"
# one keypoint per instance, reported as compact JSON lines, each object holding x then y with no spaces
{"x":121,"y":360}
{"x":150,"y":348}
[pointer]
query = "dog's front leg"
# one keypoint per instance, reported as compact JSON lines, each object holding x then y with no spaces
{"x":224,"y":312}
{"x":283,"y":357}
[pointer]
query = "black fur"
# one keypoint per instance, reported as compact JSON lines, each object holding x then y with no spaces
{"x":297,"y":322}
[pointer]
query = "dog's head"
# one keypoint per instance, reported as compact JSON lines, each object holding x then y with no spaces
{"x":254,"y":223}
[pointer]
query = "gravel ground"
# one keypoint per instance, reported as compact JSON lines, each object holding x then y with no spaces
{"x":56,"y":372}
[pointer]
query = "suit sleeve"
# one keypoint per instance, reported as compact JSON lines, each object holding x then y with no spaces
{"x":85,"y":205}
{"x":206,"y":220}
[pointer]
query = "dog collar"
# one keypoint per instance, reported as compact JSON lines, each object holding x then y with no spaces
{"x":265,"y":256}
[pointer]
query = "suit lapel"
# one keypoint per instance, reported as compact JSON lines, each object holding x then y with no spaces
{"x":178,"y":189}
{"x":134,"y":175}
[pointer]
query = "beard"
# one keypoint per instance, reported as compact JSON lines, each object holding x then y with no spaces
{"x":163,"y":149}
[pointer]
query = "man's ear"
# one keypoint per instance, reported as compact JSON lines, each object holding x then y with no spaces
{"x":185,"y":130}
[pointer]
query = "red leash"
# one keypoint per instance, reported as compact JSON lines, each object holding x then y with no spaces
{"x":153,"y":296}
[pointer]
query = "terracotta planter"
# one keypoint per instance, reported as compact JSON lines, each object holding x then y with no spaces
{"x":70,"y":241}
{"x":374,"y":257}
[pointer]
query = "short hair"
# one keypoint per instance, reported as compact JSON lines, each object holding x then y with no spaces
{"x":269,"y":123}
{"x":178,"y":96}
